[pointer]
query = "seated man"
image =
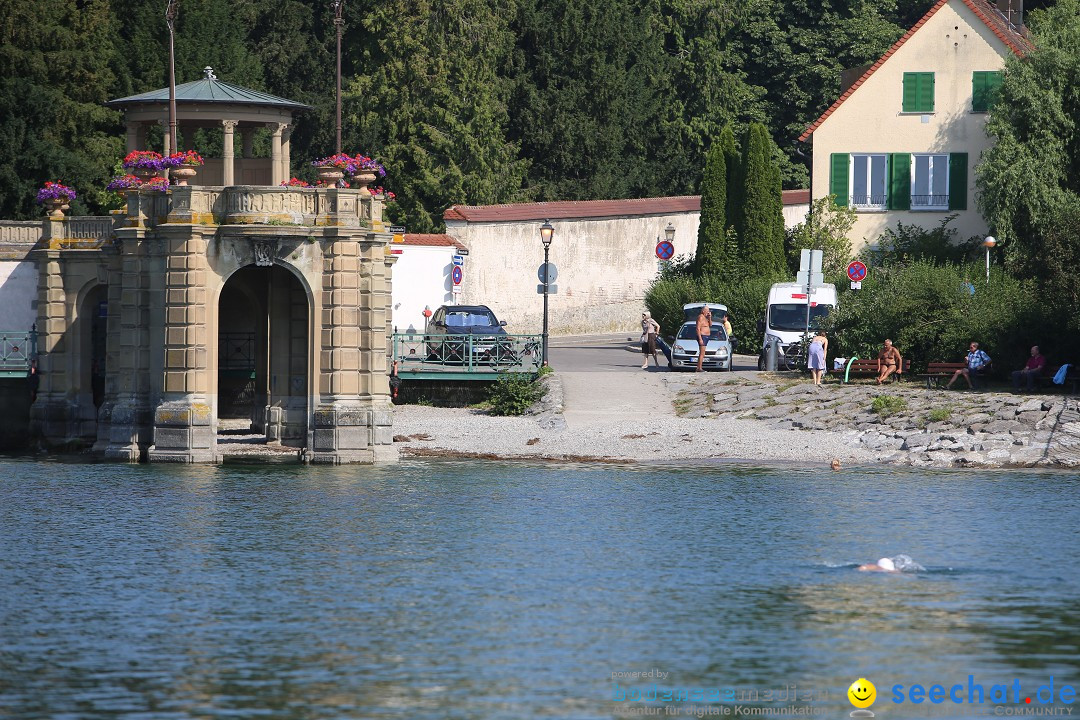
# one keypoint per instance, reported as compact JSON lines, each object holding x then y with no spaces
{"x":1032,"y":370}
{"x":977,"y":361}
{"x":889,"y":362}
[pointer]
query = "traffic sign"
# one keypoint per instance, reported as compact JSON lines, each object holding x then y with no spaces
{"x":456,"y":275}
{"x":856,"y":271}
{"x":551,"y":289}
{"x":397,"y":229}
{"x":547,"y":272}
{"x":459,"y":259}
{"x":664,"y":250}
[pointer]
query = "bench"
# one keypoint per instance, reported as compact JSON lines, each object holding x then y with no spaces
{"x":866,"y":367}
{"x":1072,"y":377}
{"x":935,"y":371}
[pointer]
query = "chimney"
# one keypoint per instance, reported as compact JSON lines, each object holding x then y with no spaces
{"x":1013,"y":10}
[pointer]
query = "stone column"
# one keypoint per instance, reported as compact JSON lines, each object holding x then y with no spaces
{"x":130,"y":428}
{"x":184,"y":428}
{"x":228,"y":176}
{"x":353,"y":421}
{"x":166,"y":140}
{"x":275,"y":152}
{"x":286,"y":153}
{"x":133,"y":133}
{"x":52,"y":410}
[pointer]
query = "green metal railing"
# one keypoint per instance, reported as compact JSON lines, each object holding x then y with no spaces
{"x":468,"y":356}
{"x":16,"y":351}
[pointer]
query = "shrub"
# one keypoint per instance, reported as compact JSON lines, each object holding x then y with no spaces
{"x":931,"y":312}
{"x":514,"y":393}
{"x":909,"y":243}
{"x":886,"y":405}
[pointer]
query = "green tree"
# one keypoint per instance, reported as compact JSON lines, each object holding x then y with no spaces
{"x":826,"y":228}
{"x":55,"y":73}
{"x":432,"y":104}
{"x":712,"y":229}
{"x":1029,"y":182}
{"x":761,"y":240}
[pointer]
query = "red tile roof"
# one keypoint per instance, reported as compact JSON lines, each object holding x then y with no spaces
{"x":591,"y":208}
{"x":429,"y":240}
{"x":1013,"y":39}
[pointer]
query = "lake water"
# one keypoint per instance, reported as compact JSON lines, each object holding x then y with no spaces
{"x":498,"y":590}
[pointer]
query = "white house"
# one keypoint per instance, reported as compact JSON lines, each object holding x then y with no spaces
{"x":902,"y":142}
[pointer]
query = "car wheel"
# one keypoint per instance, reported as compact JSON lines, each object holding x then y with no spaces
{"x":761,"y":363}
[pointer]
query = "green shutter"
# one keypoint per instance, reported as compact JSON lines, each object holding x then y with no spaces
{"x":926,"y":93}
{"x":984,"y":87}
{"x":979,"y":102}
{"x":918,"y":92}
{"x":911,"y":92}
{"x":900,"y":181}
{"x":838,"y":178}
{"x":958,"y":181}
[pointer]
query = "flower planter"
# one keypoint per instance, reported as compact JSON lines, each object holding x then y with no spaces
{"x":362,"y":179}
{"x":329,"y":175}
{"x":55,"y":208}
{"x":144,"y":174}
{"x":183,"y":174}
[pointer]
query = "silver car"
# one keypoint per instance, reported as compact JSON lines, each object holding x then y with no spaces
{"x":684,"y":351}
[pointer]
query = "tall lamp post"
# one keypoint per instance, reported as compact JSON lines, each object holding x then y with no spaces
{"x":988,"y":243}
{"x":339,"y":22}
{"x":170,"y":20}
{"x":546,"y":233}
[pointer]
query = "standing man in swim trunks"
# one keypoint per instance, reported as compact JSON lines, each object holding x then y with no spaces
{"x":889,"y":362}
{"x":704,"y":329}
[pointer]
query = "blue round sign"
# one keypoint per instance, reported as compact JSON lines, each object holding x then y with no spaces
{"x":664,"y":250}
{"x":455,"y":274}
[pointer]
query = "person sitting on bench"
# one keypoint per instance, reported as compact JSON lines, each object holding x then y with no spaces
{"x":889,"y":362}
{"x":1031,"y":371}
{"x":977,"y":361}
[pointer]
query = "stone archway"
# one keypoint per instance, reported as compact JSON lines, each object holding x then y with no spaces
{"x":262,"y":353}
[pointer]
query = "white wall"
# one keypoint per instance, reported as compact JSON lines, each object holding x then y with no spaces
{"x":421,"y":277}
{"x":18,"y":295}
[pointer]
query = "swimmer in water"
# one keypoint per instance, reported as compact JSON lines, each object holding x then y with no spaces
{"x":882,"y":565}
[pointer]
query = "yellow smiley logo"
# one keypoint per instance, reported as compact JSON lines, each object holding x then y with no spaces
{"x":862,"y":693}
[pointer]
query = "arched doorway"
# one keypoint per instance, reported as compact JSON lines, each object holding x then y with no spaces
{"x":90,"y":359}
{"x":262,"y":355}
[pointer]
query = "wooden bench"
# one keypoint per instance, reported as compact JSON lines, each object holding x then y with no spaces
{"x":1072,"y":377}
{"x":935,"y":371}
{"x":866,"y":367}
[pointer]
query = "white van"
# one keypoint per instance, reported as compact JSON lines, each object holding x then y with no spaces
{"x":785,"y":314}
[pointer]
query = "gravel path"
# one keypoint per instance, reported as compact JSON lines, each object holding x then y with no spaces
{"x":618,"y":417}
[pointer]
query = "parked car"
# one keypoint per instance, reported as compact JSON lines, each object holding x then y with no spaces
{"x":456,"y":331}
{"x":684,"y":349}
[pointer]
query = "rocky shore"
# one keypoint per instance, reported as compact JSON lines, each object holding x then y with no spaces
{"x":908,"y":425}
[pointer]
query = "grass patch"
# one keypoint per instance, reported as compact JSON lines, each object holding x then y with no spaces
{"x":886,"y":405}
{"x":939,"y":414}
{"x":770,"y":402}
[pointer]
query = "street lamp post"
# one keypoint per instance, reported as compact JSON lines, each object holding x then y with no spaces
{"x":339,"y":22}
{"x":988,"y":243}
{"x":170,"y":20}
{"x":546,"y":233}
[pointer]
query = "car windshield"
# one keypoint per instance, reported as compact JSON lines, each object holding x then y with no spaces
{"x":470,"y":318}
{"x":689,"y":332}
{"x":791,"y":317}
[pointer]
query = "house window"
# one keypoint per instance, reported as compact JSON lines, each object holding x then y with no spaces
{"x":984,"y":87}
{"x":868,"y":182}
{"x":930,"y":182}
{"x":918,"y":92}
